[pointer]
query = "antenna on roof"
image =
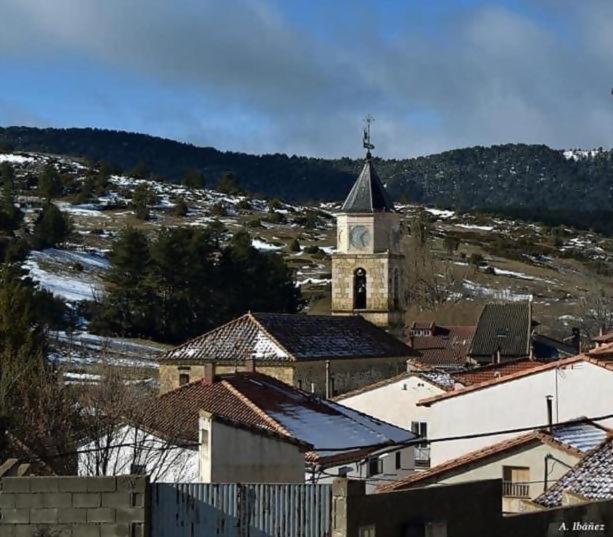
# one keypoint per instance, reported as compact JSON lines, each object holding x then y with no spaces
{"x":366,"y":135}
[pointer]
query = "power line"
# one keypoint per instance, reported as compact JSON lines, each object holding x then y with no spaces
{"x":393,"y":447}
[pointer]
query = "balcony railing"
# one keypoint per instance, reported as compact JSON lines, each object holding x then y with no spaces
{"x":515,"y":490}
{"x":422,"y":457}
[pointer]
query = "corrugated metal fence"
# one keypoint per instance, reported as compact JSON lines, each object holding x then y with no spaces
{"x":240,"y":510}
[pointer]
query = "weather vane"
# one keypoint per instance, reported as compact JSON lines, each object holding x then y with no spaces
{"x":366,"y":137}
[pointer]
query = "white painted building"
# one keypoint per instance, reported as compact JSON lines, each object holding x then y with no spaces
{"x":581,"y":386}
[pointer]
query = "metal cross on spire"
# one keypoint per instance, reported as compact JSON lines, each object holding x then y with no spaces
{"x":366,"y":137}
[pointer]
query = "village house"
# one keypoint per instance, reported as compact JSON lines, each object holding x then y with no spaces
{"x":320,"y":353}
{"x":443,"y":347}
{"x":528,"y":464}
{"x":504,"y":332}
{"x":251,"y":427}
{"x":395,"y":400}
{"x":574,"y":385}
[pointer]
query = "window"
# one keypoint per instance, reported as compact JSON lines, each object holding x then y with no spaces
{"x":375,"y":466}
{"x":398,"y":460}
{"x":516,"y":481}
{"x":183,"y":375}
{"x":420,"y":428}
{"x":359,"y":289}
{"x":367,"y":531}
{"x":183,"y":379}
{"x":138,"y":469}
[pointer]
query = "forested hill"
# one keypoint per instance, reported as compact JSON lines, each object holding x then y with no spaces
{"x":512,"y":178}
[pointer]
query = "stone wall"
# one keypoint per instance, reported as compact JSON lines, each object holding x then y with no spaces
{"x":74,"y":506}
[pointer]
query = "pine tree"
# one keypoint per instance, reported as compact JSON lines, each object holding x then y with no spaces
{"x":142,"y":197}
{"x":294,"y":246}
{"x":180,"y":208}
{"x":50,"y":183}
{"x":140,"y":170}
{"x":194,"y":179}
{"x":52,"y":227}
{"x":228,"y":184}
{"x":23,"y":342}
{"x":128,"y":303}
{"x":10,"y":216}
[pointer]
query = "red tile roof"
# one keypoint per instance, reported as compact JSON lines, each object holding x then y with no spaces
{"x":494,"y":371}
{"x":267,"y":404}
{"x":606,"y":364}
{"x":448,"y":346}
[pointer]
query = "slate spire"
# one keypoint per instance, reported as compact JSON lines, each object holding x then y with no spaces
{"x":368,"y":194}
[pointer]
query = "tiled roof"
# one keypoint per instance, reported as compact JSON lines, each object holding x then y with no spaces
{"x":436,"y":472}
{"x":368,"y":193}
{"x":574,"y":438}
{"x":494,"y":371}
{"x":287,"y":337}
{"x":448,"y":346}
{"x":591,"y":478}
{"x":606,"y":364}
{"x":265,"y":403}
{"x":604,"y":338}
{"x":603,"y":350}
{"x":505,"y":326}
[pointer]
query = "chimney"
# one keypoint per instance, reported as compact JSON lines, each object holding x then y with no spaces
{"x":328,"y":380}
{"x":498,"y":355}
{"x":576,"y":339}
{"x":209,"y":373}
{"x":250,"y":365}
{"x":549,"y":399}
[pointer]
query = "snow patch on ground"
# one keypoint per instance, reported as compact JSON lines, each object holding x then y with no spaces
{"x":441,"y":213}
{"x":474,"y":226}
{"x":263,"y":245}
{"x":16,"y":159}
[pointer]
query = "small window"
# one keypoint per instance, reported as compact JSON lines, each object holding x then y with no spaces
{"x":367,"y":531}
{"x":183,"y":378}
{"x":420,"y":428}
{"x":375,"y":466}
{"x":138,"y":469}
{"x":398,"y":460}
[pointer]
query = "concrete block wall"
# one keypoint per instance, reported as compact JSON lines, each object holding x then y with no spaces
{"x":74,"y":506}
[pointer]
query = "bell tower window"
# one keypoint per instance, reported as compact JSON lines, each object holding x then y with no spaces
{"x":359,"y":289}
{"x":396,"y":290}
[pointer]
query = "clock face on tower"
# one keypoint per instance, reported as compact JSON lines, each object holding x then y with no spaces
{"x":359,"y":237}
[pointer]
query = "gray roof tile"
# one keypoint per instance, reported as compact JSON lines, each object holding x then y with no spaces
{"x":368,"y":193}
{"x":507,"y":326}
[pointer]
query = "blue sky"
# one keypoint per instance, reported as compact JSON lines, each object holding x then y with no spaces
{"x":297,"y":76}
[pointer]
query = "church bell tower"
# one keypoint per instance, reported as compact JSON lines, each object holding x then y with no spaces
{"x":367,"y":267}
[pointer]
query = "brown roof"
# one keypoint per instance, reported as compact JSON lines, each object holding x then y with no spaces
{"x":604,"y":338}
{"x":268,"y":405}
{"x":607,"y":364}
{"x":494,"y":371}
{"x":281,"y":337}
{"x":602,"y":350}
{"x":447,"y":347}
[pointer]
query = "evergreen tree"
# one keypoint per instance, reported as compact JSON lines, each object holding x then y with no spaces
{"x":228,"y":184}
{"x":128,"y":304}
{"x":194,"y":179}
{"x":50,"y":183}
{"x":10,"y":216}
{"x":294,"y":246}
{"x":141,"y":199}
{"x":23,"y":342}
{"x":140,"y":171}
{"x":52,"y":227}
{"x":180,"y":208}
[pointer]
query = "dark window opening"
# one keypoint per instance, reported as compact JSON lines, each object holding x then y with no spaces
{"x":375,"y":466}
{"x":398,"y":460}
{"x":396,"y":290}
{"x":183,"y":378}
{"x":359,"y":289}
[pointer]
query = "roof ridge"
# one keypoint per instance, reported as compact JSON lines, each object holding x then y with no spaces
{"x":608,"y":365}
{"x":164,"y":355}
{"x":274,"y":423}
{"x":263,"y":328}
